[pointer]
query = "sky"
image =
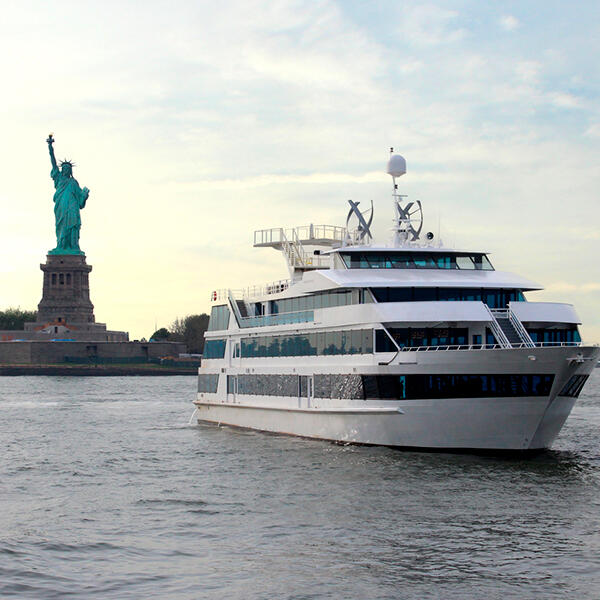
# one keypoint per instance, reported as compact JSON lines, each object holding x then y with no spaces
{"x":195,"y":123}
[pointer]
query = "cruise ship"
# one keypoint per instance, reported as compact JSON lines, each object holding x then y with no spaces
{"x":409,"y":344}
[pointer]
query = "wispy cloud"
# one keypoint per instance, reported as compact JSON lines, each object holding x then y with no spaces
{"x":563,"y":286}
{"x":509,"y":23}
{"x":430,"y":25}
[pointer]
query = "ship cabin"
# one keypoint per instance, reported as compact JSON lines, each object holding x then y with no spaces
{"x":366,"y":299}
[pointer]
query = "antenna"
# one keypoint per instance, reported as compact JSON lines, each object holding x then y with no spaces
{"x":408,"y":220}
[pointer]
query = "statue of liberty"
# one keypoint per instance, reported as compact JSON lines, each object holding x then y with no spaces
{"x":69,"y":199}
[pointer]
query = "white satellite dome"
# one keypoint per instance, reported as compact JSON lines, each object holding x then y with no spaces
{"x":396,"y":165}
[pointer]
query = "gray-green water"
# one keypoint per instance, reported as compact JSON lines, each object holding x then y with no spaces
{"x":107,"y":492}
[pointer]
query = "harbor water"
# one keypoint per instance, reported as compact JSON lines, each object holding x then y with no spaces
{"x":107,"y":491}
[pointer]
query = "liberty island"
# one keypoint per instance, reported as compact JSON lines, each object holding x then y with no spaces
{"x":65,"y":331}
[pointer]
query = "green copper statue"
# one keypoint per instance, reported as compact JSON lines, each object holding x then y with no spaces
{"x":69,"y":199}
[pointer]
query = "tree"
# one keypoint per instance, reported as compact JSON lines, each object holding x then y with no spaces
{"x":160,"y":334}
{"x":190,"y":330}
{"x":195,"y":326}
{"x":15,"y":318}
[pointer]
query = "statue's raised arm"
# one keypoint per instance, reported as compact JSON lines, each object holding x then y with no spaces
{"x":50,"y":141}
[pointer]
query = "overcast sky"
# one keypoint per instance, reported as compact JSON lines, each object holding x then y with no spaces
{"x":195,"y":123}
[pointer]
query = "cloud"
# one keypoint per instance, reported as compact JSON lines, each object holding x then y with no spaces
{"x":509,"y":23}
{"x":593,"y":131}
{"x":430,"y":25}
{"x":528,"y":71}
{"x":565,"y":100}
{"x":562,"y":286}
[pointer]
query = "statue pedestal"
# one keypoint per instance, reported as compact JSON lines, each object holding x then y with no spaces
{"x":65,"y":310}
{"x":66,"y":290}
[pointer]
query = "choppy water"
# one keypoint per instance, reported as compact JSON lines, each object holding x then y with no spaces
{"x":107,"y":492}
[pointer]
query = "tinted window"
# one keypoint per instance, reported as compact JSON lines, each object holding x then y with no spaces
{"x":415,"y":260}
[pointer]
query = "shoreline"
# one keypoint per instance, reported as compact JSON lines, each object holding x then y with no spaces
{"x":95,"y":370}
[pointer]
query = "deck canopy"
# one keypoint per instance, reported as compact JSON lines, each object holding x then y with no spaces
{"x":362,"y":278}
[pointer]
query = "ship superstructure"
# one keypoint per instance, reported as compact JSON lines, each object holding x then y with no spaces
{"x":410,"y":344}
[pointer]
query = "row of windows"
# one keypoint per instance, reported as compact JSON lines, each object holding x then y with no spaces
{"x":60,"y":279}
{"x":214,"y":348}
{"x":494,"y":298}
{"x":554,"y":336}
{"x":396,"y":387}
{"x":219,"y":318}
{"x":415,"y":260}
{"x":358,"y":341}
{"x":574,"y":386}
{"x":208,"y":383}
{"x":322,"y":300}
{"x":263,"y":385}
{"x":455,"y":386}
{"x":428,"y":336}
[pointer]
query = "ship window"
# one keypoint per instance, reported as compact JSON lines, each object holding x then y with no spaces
{"x":564,"y":335}
{"x":214,"y":348}
{"x":465,"y":262}
{"x":208,"y":383}
{"x":394,"y":387}
{"x":574,"y":386}
{"x":307,"y":344}
{"x":494,"y":298}
{"x":408,"y":337}
{"x":415,"y":260}
{"x":424,"y":294}
{"x":219,"y":318}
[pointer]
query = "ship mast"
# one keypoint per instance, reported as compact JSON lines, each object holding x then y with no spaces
{"x":408,"y":219}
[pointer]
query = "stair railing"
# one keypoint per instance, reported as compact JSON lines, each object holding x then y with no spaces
{"x":497,"y":330}
{"x":520,"y":329}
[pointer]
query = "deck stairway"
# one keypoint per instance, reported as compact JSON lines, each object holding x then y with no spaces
{"x":242,"y":308}
{"x":509,"y":331}
{"x":512,"y":328}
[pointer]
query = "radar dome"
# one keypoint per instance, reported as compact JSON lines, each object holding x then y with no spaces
{"x":396,"y":165}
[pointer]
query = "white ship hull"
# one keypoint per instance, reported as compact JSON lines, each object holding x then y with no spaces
{"x":481,"y":423}
{"x":498,"y":423}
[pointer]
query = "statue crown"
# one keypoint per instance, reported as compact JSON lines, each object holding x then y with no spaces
{"x":67,"y":162}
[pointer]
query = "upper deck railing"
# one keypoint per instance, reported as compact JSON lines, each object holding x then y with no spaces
{"x":316,"y":235}
{"x":254,"y":291}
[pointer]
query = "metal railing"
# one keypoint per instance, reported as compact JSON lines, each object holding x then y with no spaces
{"x":506,"y":313}
{"x":521,"y":331}
{"x":303,"y":316}
{"x":497,"y":330}
{"x":488,"y":346}
{"x":305,"y":234}
{"x":275,"y":287}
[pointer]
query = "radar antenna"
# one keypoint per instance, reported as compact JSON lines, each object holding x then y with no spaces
{"x":408,"y":220}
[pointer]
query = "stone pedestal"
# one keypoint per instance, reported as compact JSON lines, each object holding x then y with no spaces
{"x":66,"y":290}
{"x":65,"y":310}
